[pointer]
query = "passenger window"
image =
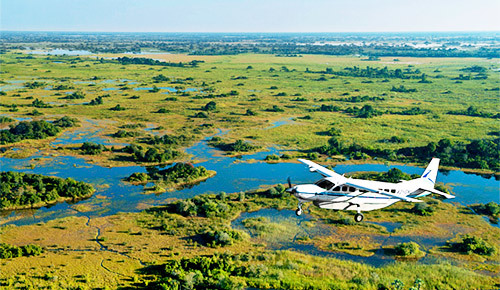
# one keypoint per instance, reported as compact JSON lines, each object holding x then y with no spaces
{"x":344,"y":188}
{"x":352,"y":189}
{"x":337,"y":188}
{"x":393,"y":190}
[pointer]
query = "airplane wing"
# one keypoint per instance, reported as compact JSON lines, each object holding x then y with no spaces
{"x":313,"y":167}
{"x":438,"y":192}
{"x":404,"y":198}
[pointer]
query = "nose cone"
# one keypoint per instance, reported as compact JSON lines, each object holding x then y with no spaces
{"x":305,"y":191}
{"x":292,"y":190}
{"x":308,"y":188}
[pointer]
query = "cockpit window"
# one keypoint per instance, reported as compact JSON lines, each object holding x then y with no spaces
{"x":325,"y":184}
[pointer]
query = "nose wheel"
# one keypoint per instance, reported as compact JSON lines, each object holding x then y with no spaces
{"x":298,"y":212}
{"x":358,"y":217}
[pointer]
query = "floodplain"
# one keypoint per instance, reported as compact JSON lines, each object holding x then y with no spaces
{"x":248,"y":117}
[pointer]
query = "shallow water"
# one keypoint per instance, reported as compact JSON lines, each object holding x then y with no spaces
{"x":169,"y":89}
{"x":59,"y":51}
{"x":281,"y":122}
{"x":295,"y":225}
{"x":10,"y":87}
{"x":86,"y":133}
{"x":234,"y":174}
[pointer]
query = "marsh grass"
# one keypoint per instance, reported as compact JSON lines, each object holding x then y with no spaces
{"x":257,"y":96}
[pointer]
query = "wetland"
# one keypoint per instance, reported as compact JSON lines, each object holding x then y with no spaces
{"x":230,"y":128}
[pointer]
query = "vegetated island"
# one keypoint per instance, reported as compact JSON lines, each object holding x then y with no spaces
{"x":174,"y":177}
{"x":35,"y":130}
{"x":236,"y":148}
{"x":20,"y":190}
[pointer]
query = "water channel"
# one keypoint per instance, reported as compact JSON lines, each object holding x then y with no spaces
{"x":234,"y":174}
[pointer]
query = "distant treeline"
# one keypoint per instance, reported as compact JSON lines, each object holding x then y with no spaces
{"x":367,"y":111}
{"x":149,"y":61}
{"x":373,"y":72}
{"x":475,"y":112}
{"x":478,"y":154}
{"x":281,"y":44}
{"x":20,"y":190}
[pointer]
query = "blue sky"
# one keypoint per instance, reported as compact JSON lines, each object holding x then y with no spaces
{"x":250,"y":15}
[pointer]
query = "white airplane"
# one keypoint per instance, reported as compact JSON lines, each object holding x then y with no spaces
{"x":337,"y":192}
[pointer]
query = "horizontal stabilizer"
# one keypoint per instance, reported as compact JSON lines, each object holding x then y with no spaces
{"x":405,"y":198}
{"x":438,"y":192}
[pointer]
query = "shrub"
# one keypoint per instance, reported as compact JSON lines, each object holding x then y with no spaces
{"x":472,"y":244}
{"x":491,"y":208}
{"x":124,"y":134}
{"x":423,"y":209}
{"x":186,"y":208}
{"x":210,"y":106}
{"x":117,"y":108}
{"x":8,"y":251}
{"x":74,"y":96}
{"x":90,"y":148}
{"x":4,"y":119}
{"x":221,"y":237}
{"x":138,"y":177}
{"x":35,"y":113}
{"x":160,"y":78}
{"x":40,"y":104}
{"x":31,"y":250}
{"x":275,"y":108}
{"x":408,"y":249}
{"x":200,"y":115}
{"x":162,"y":111}
{"x":250,"y":113}
{"x":96,"y":101}
{"x":272,"y":157}
{"x":65,"y":122}
{"x":333,"y":132}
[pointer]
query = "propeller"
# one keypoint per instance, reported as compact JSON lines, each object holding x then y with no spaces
{"x":290,"y":188}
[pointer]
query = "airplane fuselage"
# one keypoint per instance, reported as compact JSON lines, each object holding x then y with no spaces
{"x":344,"y":197}
{"x":337,"y":192}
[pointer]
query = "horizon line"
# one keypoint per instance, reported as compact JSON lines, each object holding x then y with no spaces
{"x":262,"y":32}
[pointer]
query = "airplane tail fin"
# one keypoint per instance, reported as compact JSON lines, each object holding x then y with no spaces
{"x":430,"y":173}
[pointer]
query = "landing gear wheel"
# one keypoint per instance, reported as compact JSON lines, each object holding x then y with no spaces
{"x":298,"y":212}
{"x":358,"y":217}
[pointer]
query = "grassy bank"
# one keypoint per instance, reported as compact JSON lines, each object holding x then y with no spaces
{"x":129,"y":249}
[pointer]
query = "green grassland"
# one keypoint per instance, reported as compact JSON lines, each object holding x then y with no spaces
{"x":259,"y":89}
{"x":124,"y":250}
